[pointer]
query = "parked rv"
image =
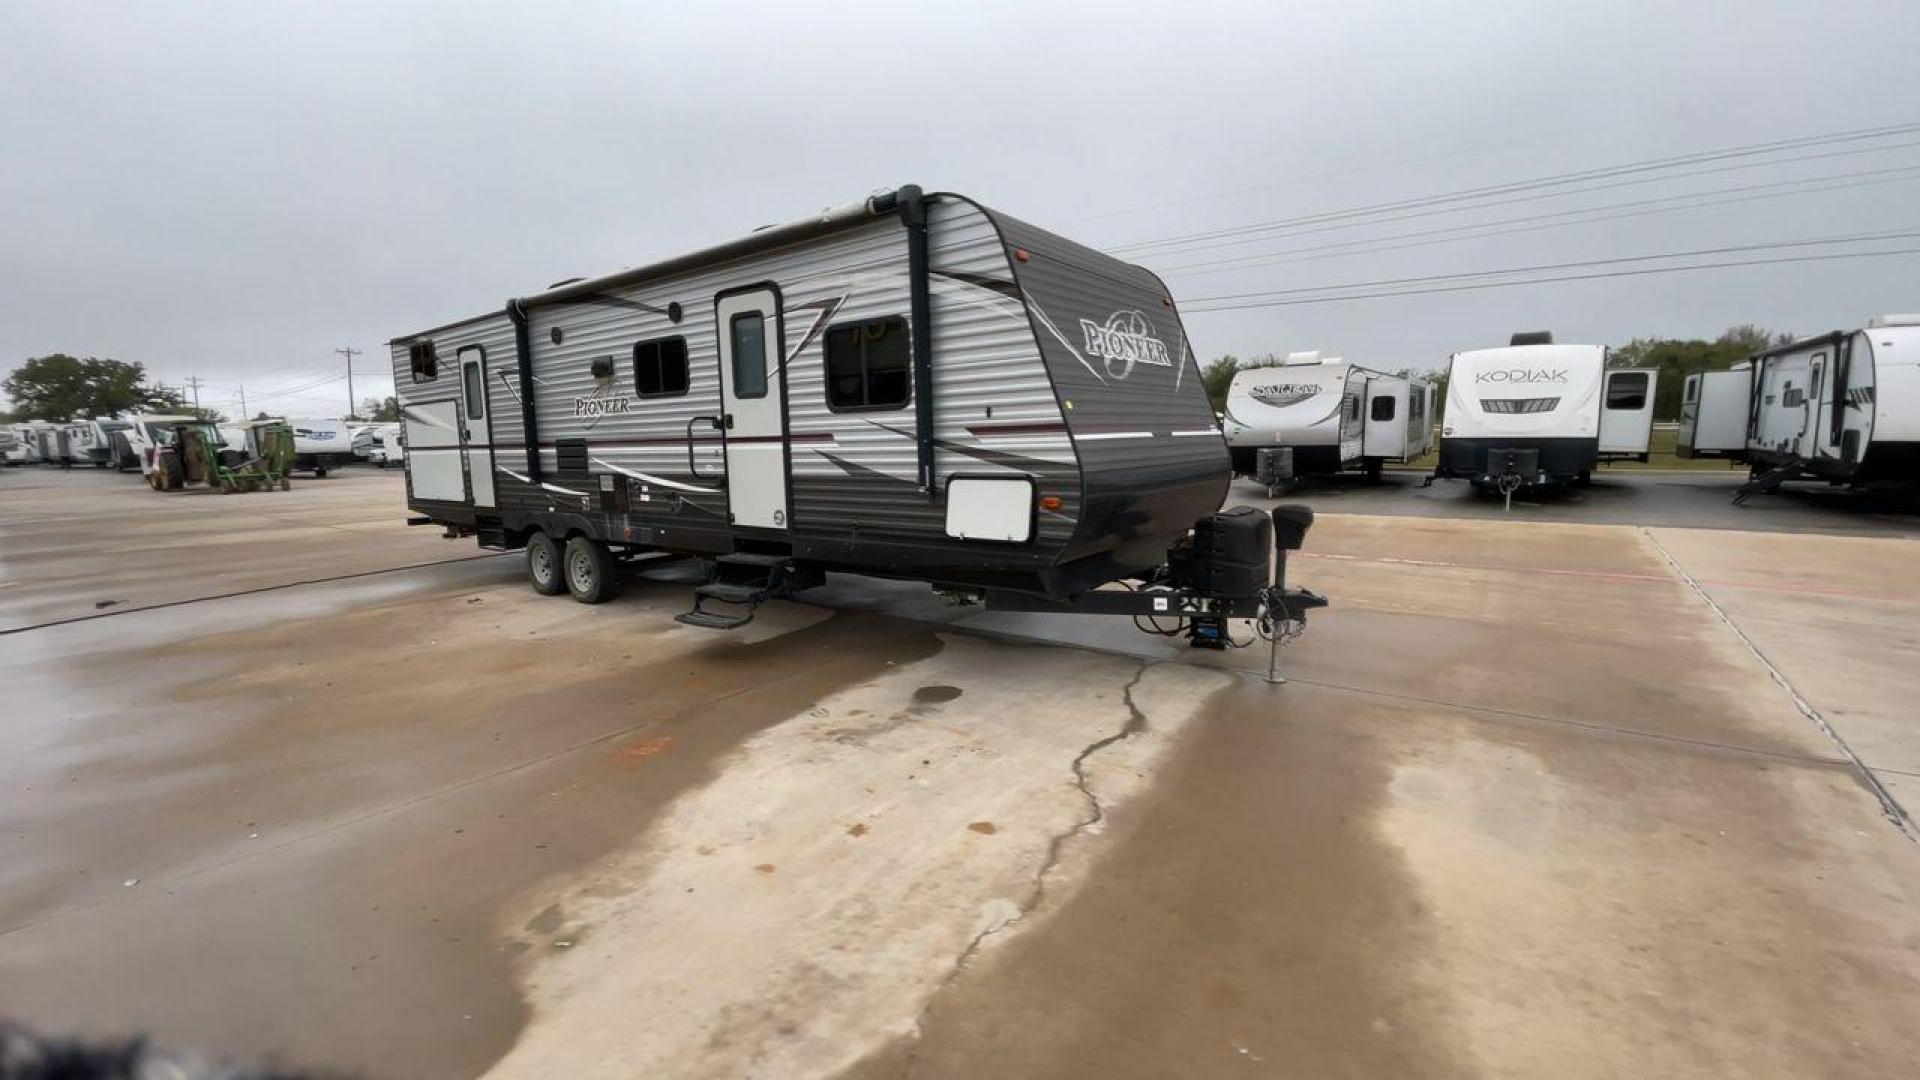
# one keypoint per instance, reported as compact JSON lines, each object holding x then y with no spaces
{"x":90,"y":442}
{"x":379,"y":444}
{"x":9,"y":445}
{"x":1317,"y":415}
{"x":1843,"y":408}
{"x":320,"y":445}
{"x":1536,"y":413}
{"x":913,"y":386}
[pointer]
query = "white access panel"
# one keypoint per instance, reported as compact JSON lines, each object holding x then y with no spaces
{"x":1713,"y":411}
{"x":434,"y":451}
{"x":990,"y":508}
{"x":1626,"y":410}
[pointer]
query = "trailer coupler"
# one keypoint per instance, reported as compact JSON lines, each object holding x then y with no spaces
{"x":1217,"y":574}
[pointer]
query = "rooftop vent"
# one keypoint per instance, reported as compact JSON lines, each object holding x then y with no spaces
{"x":1311,"y":356}
{"x":1879,"y":321}
{"x":1532,"y":337}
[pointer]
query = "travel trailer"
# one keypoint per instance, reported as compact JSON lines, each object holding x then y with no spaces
{"x":91,"y":441}
{"x":1536,"y":413}
{"x":320,"y":445}
{"x":1324,"y":415}
{"x":912,"y":386}
{"x":26,"y":443}
{"x":1843,"y":407}
{"x":379,"y":444}
{"x":1713,"y":413}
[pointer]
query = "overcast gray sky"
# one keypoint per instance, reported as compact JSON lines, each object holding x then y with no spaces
{"x":235,"y":190}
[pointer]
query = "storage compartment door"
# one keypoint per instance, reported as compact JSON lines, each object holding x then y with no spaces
{"x":433,"y":441}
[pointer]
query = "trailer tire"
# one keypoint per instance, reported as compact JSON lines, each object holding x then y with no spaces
{"x":544,"y":565}
{"x":319,"y":472}
{"x":592,"y":575}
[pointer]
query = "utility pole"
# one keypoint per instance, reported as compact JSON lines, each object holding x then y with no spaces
{"x":194,"y":382}
{"x":243,"y":402}
{"x":350,"y":353}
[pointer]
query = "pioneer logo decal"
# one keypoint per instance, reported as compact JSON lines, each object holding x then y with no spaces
{"x":597,"y":407}
{"x":1522,"y":375}
{"x":1280,"y":395}
{"x":1127,"y":339}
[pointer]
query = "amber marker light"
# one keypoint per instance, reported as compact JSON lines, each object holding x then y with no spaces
{"x":1020,"y":254}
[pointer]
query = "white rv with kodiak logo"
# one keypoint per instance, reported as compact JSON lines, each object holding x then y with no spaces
{"x":1537,"y":413}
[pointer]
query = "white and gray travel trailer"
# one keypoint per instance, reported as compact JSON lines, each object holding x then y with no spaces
{"x":320,"y":445}
{"x":1322,"y":415}
{"x":385,"y":447}
{"x":379,"y":444}
{"x":1713,"y":413}
{"x":26,"y":443}
{"x":39,"y":442}
{"x":1843,"y":408}
{"x":1537,"y":413}
{"x":913,"y":386}
{"x":91,"y":441}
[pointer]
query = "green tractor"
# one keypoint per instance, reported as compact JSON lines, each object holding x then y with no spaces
{"x":196,"y":454}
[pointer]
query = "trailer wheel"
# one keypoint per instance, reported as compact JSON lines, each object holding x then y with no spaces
{"x":319,"y":472}
{"x":543,"y":565}
{"x":592,"y":575}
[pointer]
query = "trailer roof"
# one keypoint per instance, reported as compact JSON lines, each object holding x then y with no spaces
{"x":764,"y":239}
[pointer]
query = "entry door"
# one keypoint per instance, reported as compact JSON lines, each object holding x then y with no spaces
{"x":1810,"y":434}
{"x":476,"y":430}
{"x":752,"y":404}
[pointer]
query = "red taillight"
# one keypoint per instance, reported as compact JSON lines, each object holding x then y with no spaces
{"x":1020,"y":254}
{"x":1050,"y":502}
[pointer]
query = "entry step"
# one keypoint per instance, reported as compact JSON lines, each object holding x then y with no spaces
{"x":713,"y":620}
{"x":733,"y":592}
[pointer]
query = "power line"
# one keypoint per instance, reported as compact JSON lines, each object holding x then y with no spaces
{"x":1569,"y":277}
{"x":1812,"y":242}
{"x":1579,"y":216}
{"x":1557,"y":180}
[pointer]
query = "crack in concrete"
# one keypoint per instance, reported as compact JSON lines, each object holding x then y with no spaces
{"x":1890,"y":807}
{"x":1096,"y":813}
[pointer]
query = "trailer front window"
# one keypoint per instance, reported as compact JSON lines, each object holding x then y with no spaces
{"x":868,"y":365}
{"x":749,"y":339}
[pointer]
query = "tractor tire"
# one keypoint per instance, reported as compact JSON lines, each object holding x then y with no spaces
{"x":592,"y":575}
{"x":544,"y":559}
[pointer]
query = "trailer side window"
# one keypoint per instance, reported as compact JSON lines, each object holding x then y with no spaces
{"x":1627,"y":390}
{"x":867,"y":365}
{"x":1693,"y":392}
{"x":1793,"y":398}
{"x":1417,"y":405}
{"x":660,"y":367}
{"x":748,"y":331}
{"x":426,"y":366}
{"x":1352,"y":406}
{"x":1382,"y":408}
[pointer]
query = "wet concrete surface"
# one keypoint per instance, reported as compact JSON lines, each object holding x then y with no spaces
{"x":1687,"y":499}
{"x":1541,"y":797}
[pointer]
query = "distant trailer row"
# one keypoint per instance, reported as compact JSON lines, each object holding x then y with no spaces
{"x":131,"y":443}
{"x":1843,"y":408}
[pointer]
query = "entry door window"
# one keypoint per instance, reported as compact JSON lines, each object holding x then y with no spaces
{"x":749,"y":337}
{"x":475,"y":390}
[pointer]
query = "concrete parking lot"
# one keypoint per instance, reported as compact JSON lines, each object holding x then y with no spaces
{"x":1563,"y":791}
